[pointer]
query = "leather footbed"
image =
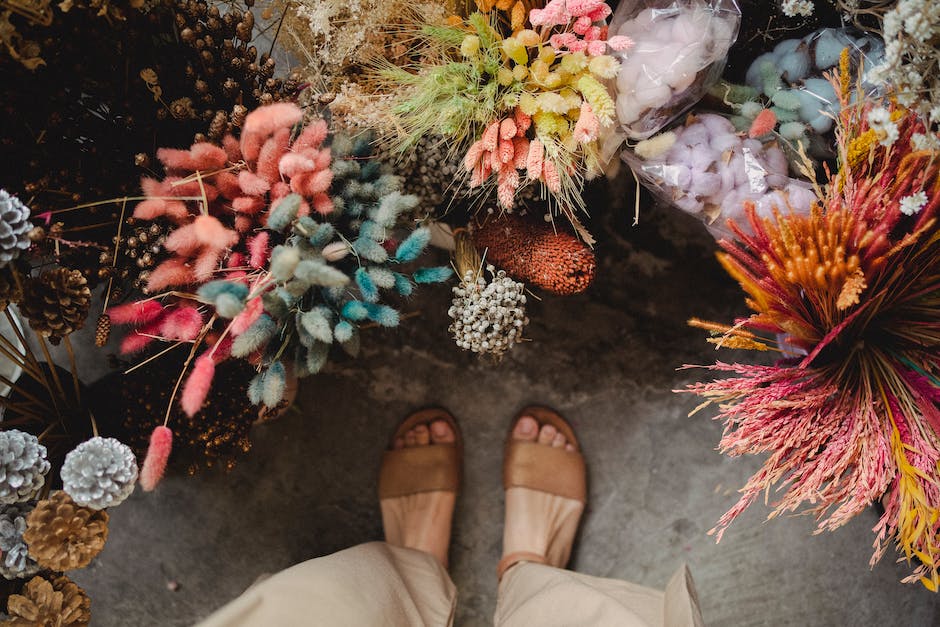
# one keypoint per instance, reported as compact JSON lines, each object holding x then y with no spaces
{"x":431,"y":468}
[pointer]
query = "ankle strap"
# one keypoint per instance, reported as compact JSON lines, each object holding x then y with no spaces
{"x":512,"y":559}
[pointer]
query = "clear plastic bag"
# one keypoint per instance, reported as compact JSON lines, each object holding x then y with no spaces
{"x":679,"y":52}
{"x":791,"y":77}
{"x":706,"y":168}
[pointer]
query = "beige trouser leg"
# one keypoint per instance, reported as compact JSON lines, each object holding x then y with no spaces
{"x":534,"y":594}
{"x":369,"y":584}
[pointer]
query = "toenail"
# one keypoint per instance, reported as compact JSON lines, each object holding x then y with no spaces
{"x":439,"y":429}
{"x":526,"y":426}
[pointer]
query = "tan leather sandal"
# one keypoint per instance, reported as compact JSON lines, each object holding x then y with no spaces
{"x":416,"y":469}
{"x":555,"y":471}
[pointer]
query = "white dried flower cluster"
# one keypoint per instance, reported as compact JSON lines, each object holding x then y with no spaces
{"x":797,"y":8}
{"x":914,"y":203}
{"x":488,"y":316}
{"x":911,"y":29}
{"x":879,"y":120}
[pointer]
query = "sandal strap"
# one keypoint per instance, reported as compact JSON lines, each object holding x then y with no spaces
{"x":419,"y":469}
{"x":546,"y":469}
{"x":512,"y":559}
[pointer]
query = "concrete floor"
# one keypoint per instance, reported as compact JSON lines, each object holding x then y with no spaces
{"x":607,"y":359}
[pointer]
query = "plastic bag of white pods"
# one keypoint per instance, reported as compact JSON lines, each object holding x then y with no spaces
{"x":708,"y":169}
{"x":680,"y":49}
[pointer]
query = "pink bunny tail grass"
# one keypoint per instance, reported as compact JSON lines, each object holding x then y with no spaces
{"x":312,"y":136}
{"x":182,"y":324}
{"x":158,"y":453}
{"x":587,"y":126}
{"x":765,"y":122}
{"x":198,"y":385}
{"x":252,"y":184}
{"x":153,"y":208}
{"x":208,"y":156}
{"x":170,"y":273}
{"x":258,"y":249}
{"x":137,"y":313}
{"x":534,"y":160}
{"x":248,"y":316}
{"x":271,"y":153}
{"x":263,"y":122}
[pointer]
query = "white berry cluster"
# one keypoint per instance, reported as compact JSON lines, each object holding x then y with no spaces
{"x":488,"y":316}
{"x":797,"y":8}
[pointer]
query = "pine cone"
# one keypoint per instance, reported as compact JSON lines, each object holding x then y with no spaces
{"x":15,"y":562}
{"x":62,"y":535}
{"x":14,"y":227}
{"x":11,"y":290}
{"x":102,"y":330}
{"x":23,"y":466}
{"x":57,"y":602}
{"x":535,"y":253}
{"x":99,"y":473}
{"x":56,"y":303}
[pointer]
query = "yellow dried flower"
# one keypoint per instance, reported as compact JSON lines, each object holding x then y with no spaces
{"x":551,"y":102}
{"x":528,"y":104}
{"x":539,"y":69}
{"x":528,"y":38}
{"x":574,"y":63}
{"x":547,"y":123}
{"x":552,"y":80}
{"x":604,"y":66}
{"x":597,"y":96}
{"x":505,"y":77}
{"x":734,"y":341}
{"x":515,"y":50}
{"x":470,"y":46}
{"x":520,"y":72}
{"x":547,"y":54}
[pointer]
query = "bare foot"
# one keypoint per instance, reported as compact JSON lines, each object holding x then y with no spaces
{"x":538,"y":522}
{"x":421,"y":521}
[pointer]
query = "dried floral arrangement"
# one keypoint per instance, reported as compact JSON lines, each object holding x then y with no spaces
{"x":518,"y":93}
{"x":848,"y":294}
{"x":283,"y":243}
{"x":58,"y":476}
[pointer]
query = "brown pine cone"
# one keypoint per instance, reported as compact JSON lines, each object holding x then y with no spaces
{"x":536,"y":253}
{"x":56,"y":303}
{"x":57,"y":602}
{"x":62,"y":535}
{"x":103,"y":330}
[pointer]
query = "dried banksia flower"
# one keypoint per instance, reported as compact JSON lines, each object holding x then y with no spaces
{"x":14,"y":227}
{"x":23,"y":466}
{"x":56,"y":303}
{"x":102,"y":330}
{"x":537,"y":253}
{"x":15,"y":562}
{"x":489,"y":316}
{"x":99,"y":473}
{"x":55,"y":602}
{"x":63,"y":535}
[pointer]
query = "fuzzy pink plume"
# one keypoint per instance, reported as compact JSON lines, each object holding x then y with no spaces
{"x":172,"y":272}
{"x":765,"y":122}
{"x":140,"y":338}
{"x":136,"y":313}
{"x":204,"y":231}
{"x":252,"y":184}
{"x":587,"y":126}
{"x":248,"y":316}
{"x":620,"y":43}
{"x":197,"y":385}
{"x":201,"y":156}
{"x":153,"y":208}
{"x":312,"y":136}
{"x":259,"y":250}
{"x":182,"y":324}
{"x":161,"y":443}
{"x":264,"y":122}
{"x":270,"y":155}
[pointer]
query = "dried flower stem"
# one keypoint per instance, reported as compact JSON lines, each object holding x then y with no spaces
{"x":52,"y":368}
{"x":153,"y":357}
{"x":189,"y":359}
{"x":74,"y":369}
